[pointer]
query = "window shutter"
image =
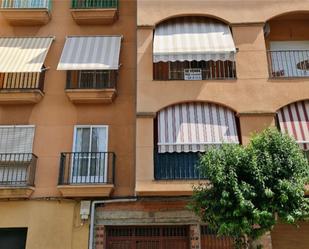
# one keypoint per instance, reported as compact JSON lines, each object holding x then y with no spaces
{"x":16,"y":139}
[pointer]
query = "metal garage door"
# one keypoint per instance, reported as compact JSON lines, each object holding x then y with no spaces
{"x":210,"y":240}
{"x":140,"y":237}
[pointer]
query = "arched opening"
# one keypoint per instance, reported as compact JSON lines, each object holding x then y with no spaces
{"x":293,"y":119}
{"x":287,"y":41}
{"x":193,"y":48}
{"x":184,"y":131}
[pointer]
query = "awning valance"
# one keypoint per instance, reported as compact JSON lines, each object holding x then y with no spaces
{"x":90,"y":53}
{"x":294,"y":120}
{"x":25,"y":54}
{"x":193,"y":38}
{"x":192,"y":127}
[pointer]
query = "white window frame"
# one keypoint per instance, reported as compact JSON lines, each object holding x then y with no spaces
{"x":89,"y":178}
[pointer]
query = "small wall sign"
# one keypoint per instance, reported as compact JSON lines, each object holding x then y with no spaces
{"x":193,"y":74}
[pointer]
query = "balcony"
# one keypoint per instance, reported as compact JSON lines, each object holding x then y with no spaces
{"x":91,"y":86}
{"x":288,"y":64}
{"x":23,"y":12}
{"x":195,"y":70}
{"x":21,"y":88}
{"x":87,"y":174}
{"x":177,"y":166}
{"x":94,"y":11}
{"x":17,"y":173}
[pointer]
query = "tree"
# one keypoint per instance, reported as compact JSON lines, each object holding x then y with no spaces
{"x":252,"y":187}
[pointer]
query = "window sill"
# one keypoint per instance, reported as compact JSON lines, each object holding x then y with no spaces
{"x":12,"y":192}
{"x":95,"y":190}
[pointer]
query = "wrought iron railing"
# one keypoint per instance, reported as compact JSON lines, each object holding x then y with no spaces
{"x":288,"y":64}
{"x":195,"y":70}
{"x":87,"y":168}
{"x":94,"y":4}
{"x":17,"y":169}
{"x":91,"y":79}
{"x":26,"y":4}
{"x":177,"y":166}
{"x":22,"y":81}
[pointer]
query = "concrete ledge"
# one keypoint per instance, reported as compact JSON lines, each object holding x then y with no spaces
{"x":15,"y":192}
{"x":95,"y":16}
{"x":166,"y":188}
{"x":91,"y":96}
{"x":95,"y":190}
{"x":20,"y":96}
{"x":26,"y":17}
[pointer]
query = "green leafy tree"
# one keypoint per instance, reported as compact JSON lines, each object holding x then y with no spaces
{"x":252,"y":187}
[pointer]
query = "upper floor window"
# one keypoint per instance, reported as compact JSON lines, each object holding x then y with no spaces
{"x":289,"y":59}
{"x":17,"y":163}
{"x":193,"y":48}
{"x":185,"y":130}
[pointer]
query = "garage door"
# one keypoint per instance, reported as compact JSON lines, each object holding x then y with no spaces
{"x":291,"y":237}
{"x":210,"y":240}
{"x":139,"y":237}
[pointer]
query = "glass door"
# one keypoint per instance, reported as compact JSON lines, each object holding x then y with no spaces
{"x":90,"y":160}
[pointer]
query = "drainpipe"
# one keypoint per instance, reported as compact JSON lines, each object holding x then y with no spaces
{"x":92,"y":215}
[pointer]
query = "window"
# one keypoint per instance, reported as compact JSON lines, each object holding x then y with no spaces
{"x":15,"y":154}
{"x":13,"y":238}
{"x":289,"y":59}
{"x":193,"y":48}
{"x":91,"y":79}
{"x":89,"y":162}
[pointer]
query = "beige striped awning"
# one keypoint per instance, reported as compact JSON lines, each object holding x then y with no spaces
{"x":193,"y":127}
{"x":193,"y":38}
{"x":23,"y":54}
{"x":90,"y":53}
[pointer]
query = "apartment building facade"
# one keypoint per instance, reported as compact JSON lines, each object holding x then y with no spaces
{"x":102,"y":123}
{"x":210,"y":72}
{"x":67,"y":117}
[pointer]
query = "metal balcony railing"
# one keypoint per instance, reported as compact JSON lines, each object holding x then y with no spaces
{"x":195,"y":70}
{"x":94,"y":4}
{"x":17,"y":169}
{"x":87,"y":168}
{"x":22,"y":81}
{"x":288,"y":63}
{"x":26,"y":4}
{"x":91,"y":79}
{"x":177,"y":166}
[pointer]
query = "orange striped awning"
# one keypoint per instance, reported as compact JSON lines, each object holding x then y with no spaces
{"x":294,"y":120}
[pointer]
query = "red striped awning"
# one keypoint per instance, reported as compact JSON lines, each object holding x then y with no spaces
{"x":294,"y":120}
{"x":192,"y":127}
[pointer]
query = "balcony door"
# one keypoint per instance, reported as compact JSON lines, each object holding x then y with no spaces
{"x":89,"y":162}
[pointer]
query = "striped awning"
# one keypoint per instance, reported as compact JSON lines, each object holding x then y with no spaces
{"x":193,"y":38}
{"x":90,"y":53}
{"x":193,"y":127}
{"x":294,"y":120}
{"x":24,"y":54}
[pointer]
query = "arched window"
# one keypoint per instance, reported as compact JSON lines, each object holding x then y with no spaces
{"x":193,"y":48}
{"x":185,"y":130}
{"x":293,"y":119}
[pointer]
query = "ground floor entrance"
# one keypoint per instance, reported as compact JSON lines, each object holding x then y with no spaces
{"x":147,"y":237}
{"x":162,"y":237}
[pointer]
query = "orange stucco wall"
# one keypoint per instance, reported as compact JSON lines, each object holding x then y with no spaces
{"x":55,"y":116}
